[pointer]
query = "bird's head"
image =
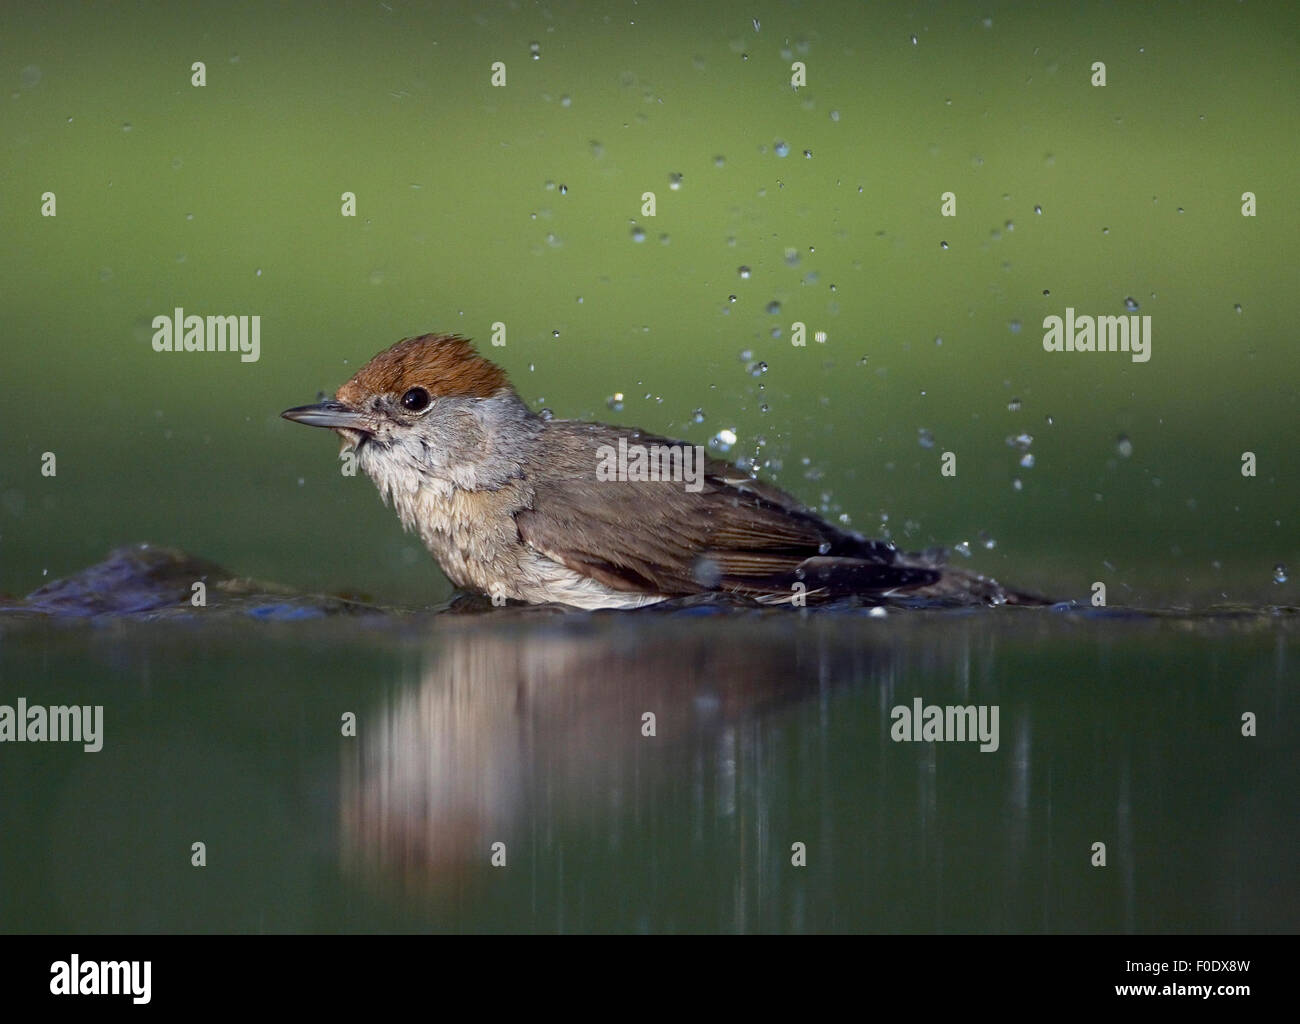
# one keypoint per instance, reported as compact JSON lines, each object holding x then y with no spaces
{"x":430,"y":403}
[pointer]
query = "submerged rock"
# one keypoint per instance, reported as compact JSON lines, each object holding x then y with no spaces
{"x":148,"y":581}
{"x":151,"y":583}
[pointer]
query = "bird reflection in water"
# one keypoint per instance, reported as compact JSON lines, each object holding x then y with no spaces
{"x":510,"y":738}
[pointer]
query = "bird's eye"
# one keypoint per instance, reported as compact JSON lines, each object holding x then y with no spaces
{"x":417,"y":399}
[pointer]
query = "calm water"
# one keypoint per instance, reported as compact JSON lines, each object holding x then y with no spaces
{"x":525,"y":728}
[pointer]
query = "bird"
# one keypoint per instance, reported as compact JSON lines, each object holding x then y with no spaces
{"x":525,"y":508}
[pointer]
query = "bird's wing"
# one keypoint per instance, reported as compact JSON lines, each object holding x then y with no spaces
{"x":661,"y":536}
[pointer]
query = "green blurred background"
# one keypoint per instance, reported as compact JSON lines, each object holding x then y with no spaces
{"x":521,"y":205}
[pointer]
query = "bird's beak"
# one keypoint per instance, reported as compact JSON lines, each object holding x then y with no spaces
{"x":332,"y":414}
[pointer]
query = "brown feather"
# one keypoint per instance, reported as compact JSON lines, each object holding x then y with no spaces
{"x":733,"y":534}
{"x":444,"y":364}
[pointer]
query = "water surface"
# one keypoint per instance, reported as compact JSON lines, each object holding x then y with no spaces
{"x":526,"y":727}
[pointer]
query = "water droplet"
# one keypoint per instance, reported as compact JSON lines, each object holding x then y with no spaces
{"x":835,"y":115}
{"x":913,"y":39}
{"x":675,"y":182}
{"x":924,"y":438}
{"x":744,"y":273}
{"x":1047,"y":291}
{"x":731,"y":298}
{"x":943,"y":245}
{"x":1027,"y":460}
{"x":566,"y":101}
{"x":781,"y":148}
{"x":1279,"y":573}
{"x":615,"y":401}
{"x":535,"y":51}
{"x":1131,"y":304}
{"x":988,"y":542}
{"x":1038,"y":210}
{"x":962,"y":549}
{"x":719,"y":161}
{"x":638,"y":233}
{"x":126,"y":127}
{"x":1017,"y":484}
{"x":1236,"y":307}
{"x":1022,"y":441}
{"x":773,"y":308}
{"x":807,"y":154}
{"x":555,"y":334}
{"x":1124,"y":446}
{"x":723,"y":440}
{"x":706,"y":572}
{"x":698,"y":416}
{"x":106,"y":274}
{"x":545,"y":414}
{"x":564,"y":190}
{"x":1013,"y":405}
{"x":1015,"y":326}
{"x":757,"y":369}
{"x":746,"y":354}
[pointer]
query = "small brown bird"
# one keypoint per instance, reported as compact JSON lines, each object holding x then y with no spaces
{"x":586,"y":514}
